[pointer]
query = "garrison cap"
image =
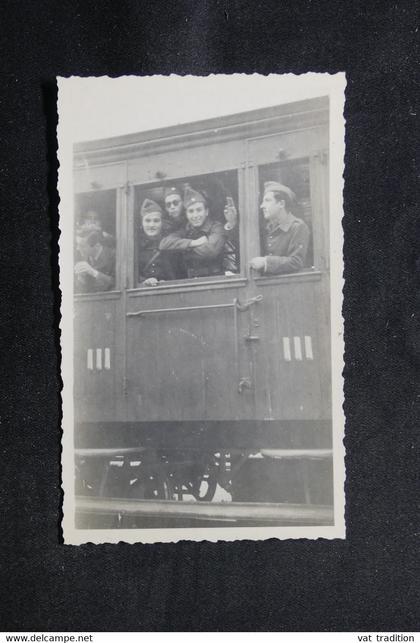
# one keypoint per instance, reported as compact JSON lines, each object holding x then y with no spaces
{"x":148,"y":206}
{"x":192,"y":196}
{"x":171,"y":190}
{"x":274,"y":186}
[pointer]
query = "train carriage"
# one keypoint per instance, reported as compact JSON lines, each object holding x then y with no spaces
{"x":212,"y":384}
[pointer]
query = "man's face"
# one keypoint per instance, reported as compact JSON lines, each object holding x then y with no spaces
{"x":91,"y":222}
{"x":272,"y":210}
{"x":173,"y":206}
{"x":197,"y":214}
{"x":87,"y":251}
{"x":152,"y":224}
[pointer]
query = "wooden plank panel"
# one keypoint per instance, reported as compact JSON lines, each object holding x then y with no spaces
{"x":88,"y":177}
{"x":287,"y":145}
{"x":288,"y":374}
{"x":184,"y":364}
{"x":97,"y":363}
{"x":191,"y":161}
{"x":176,"y":367}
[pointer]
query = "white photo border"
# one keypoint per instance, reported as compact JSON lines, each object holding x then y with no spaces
{"x":75,"y":113}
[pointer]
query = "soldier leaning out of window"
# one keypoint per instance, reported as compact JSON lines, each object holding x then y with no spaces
{"x":202,"y":240}
{"x":94,"y":269}
{"x":175,"y":214}
{"x":176,"y":221}
{"x":154,"y":264}
{"x":286,"y":238}
{"x":90,"y":221}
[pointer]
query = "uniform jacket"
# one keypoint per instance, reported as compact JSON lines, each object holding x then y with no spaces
{"x":206,"y":260}
{"x":177,"y":260}
{"x":286,"y":246}
{"x":153,"y":262}
{"x":104,"y":264}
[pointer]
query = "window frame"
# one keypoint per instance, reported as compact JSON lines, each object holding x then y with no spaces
{"x":118,"y":283}
{"x":184,"y":285}
{"x":319,"y":210}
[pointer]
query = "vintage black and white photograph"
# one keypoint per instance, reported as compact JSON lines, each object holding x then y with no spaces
{"x":201,"y":329}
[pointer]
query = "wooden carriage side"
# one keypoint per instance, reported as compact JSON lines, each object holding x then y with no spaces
{"x":245,"y":358}
{"x":294,"y":307}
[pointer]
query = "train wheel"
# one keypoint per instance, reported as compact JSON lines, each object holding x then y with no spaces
{"x":152,"y":487}
{"x":204,"y":487}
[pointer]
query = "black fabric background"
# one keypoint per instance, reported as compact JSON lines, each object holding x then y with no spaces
{"x":368,"y":581}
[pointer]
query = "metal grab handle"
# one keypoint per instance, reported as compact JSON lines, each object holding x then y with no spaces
{"x":234,"y":304}
{"x":248,"y":303}
{"x":244,"y":383}
{"x":137,"y":313}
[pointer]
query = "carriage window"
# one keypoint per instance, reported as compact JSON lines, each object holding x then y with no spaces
{"x":95,"y":241}
{"x":187,"y":229}
{"x":285,"y":218}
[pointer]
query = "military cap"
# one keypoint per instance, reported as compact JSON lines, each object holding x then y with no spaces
{"x":192,"y":196}
{"x":171,"y":190}
{"x":274,"y":186}
{"x":149,"y":206}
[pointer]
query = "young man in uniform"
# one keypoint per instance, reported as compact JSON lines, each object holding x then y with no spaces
{"x":95,"y":269}
{"x":154,"y":265}
{"x":90,"y":221}
{"x":286,"y":238}
{"x":201,"y":240}
{"x":175,"y":220}
{"x":174,"y":208}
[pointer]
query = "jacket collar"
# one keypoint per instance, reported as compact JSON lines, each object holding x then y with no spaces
{"x":148,"y":242}
{"x":285,"y":227}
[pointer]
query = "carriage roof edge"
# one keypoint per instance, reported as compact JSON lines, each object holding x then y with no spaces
{"x":161,"y":136}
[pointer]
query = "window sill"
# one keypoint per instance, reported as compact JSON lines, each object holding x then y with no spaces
{"x":204,"y":283}
{"x":106,"y":294}
{"x":269,"y":280}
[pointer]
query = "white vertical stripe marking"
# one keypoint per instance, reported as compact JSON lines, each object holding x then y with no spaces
{"x":107,"y":359}
{"x":99,"y":359}
{"x":298,"y":348}
{"x":286,"y":349}
{"x":90,"y":359}
{"x":308,"y":347}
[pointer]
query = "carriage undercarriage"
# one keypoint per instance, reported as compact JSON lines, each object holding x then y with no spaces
{"x":145,"y":487}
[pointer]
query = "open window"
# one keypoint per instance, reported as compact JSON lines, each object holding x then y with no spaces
{"x":296,"y":176}
{"x":95,"y":242}
{"x":163,"y":250}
